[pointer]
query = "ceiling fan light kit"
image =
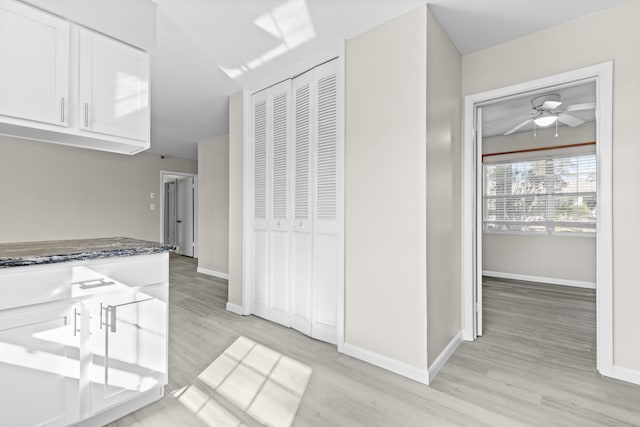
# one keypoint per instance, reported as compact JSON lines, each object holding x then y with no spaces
{"x":546,"y":112}
{"x":545,"y":120}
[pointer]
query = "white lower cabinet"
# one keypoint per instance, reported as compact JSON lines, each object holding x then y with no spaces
{"x":96,"y":348}
{"x":128,"y":348}
{"x":39,"y":366}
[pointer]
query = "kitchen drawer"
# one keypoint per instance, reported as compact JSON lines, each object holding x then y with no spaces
{"x":22,"y":286}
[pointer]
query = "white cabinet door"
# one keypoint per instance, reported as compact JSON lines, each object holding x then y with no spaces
{"x":128,"y":348}
{"x":39,"y":366}
{"x":34,"y":64}
{"x":114,"y":87}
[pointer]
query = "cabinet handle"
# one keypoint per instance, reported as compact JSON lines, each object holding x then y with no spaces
{"x":101,"y":309}
{"x":112,"y":320}
{"x":62,"y":109}
{"x":86,"y":114}
{"x":75,"y":321}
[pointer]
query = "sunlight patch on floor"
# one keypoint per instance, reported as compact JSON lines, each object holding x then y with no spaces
{"x":207,"y":409}
{"x":262,"y":382}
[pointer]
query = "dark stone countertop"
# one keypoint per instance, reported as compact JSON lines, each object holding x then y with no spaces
{"x":55,"y":251}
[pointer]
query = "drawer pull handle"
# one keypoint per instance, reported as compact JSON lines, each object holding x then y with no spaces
{"x":93,"y":283}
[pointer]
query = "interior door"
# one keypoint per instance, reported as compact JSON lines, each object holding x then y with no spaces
{"x":184,"y":216}
{"x":479,"y":226}
{"x":170,"y":213}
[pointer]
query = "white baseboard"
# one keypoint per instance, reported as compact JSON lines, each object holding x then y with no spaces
{"x":440,"y":361}
{"x":388,"y":363}
{"x":235,"y":308}
{"x":626,"y":374}
{"x":217,"y":274}
{"x":540,"y":279}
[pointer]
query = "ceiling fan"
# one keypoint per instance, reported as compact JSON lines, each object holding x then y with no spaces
{"x":546,"y":111}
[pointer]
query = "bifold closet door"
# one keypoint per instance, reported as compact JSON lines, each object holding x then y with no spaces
{"x":326,"y":218}
{"x":302,"y":239}
{"x":296,"y":211}
{"x":260,"y":256}
{"x":279,"y":216}
{"x":271,"y":205}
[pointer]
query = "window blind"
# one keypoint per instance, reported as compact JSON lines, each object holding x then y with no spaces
{"x":550,"y":194}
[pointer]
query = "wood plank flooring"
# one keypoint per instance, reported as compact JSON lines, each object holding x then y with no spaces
{"x":534,"y":366}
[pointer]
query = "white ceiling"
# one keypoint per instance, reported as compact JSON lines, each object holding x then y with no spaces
{"x":209,"y":49}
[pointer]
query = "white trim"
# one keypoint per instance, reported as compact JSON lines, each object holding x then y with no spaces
{"x":540,"y":279}
{"x":235,"y":308}
{"x":602,"y":74}
{"x":385,"y":362}
{"x":342,"y":120}
{"x":626,"y":374}
{"x":217,"y":274}
{"x":441,"y":360}
{"x":247,"y":206}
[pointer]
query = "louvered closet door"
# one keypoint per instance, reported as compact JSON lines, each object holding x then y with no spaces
{"x":260,"y":258}
{"x":279,"y":217}
{"x":326,"y":218}
{"x":301,"y":243}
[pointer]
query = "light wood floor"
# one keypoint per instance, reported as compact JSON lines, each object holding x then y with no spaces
{"x":535,"y":365}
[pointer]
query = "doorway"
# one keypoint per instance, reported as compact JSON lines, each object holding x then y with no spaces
{"x":601,"y":75}
{"x":179,"y":201}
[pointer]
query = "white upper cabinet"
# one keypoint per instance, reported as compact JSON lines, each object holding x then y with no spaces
{"x":34,"y":64}
{"x":63,"y":83}
{"x":114,"y":87}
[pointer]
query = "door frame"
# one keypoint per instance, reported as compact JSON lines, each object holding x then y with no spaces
{"x":602,"y":74}
{"x":164,"y":174}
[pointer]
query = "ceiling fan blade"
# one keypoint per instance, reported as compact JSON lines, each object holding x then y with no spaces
{"x":569,"y":120}
{"x":515,"y":129}
{"x":550,"y":105}
{"x":580,"y":107}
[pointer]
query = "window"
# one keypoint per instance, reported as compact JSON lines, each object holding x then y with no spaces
{"x":554,"y":194}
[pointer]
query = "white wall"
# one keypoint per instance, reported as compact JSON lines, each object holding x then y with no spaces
{"x":557,"y":257}
{"x":132,"y":21}
{"x":236,"y":135}
{"x":385,"y":190}
{"x":444,"y":148}
{"x":52,"y":192}
{"x":612,"y":34}
{"x":213,"y":205}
